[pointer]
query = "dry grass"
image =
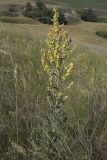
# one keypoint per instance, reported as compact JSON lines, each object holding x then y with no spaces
{"x":83,"y":32}
{"x":19,"y":20}
{"x":24,"y":125}
{"x":23,"y":86}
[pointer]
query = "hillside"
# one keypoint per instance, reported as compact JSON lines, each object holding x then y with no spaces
{"x":53,"y":81}
{"x":83,"y":32}
{"x":98,"y":4}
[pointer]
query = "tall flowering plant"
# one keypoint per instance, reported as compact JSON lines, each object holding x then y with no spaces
{"x":59,"y":68}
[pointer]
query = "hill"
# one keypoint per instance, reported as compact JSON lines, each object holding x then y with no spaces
{"x":53,"y":86}
{"x":99,"y":4}
{"x":83,"y":32}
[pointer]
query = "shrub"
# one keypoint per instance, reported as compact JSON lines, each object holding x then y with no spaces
{"x":47,"y":14}
{"x":89,"y":15}
{"x":61,"y":19}
{"x":12,"y":8}
{"x":41,"y":5}
{"x":102,"y":34}
{"x":42,"y":13}
{"x":27,"y":10}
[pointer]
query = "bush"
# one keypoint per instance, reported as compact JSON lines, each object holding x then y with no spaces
{"x":102,"y":34}
{"x":12,"y":8}
{"x":46,"y":16}
{"x":42,"y":13}
{"x":61,"y":19}
{"x":89,"y":15}
{"x":27,"y":10}
{"x":41,"y":5}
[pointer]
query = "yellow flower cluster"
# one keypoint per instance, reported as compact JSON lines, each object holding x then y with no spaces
{"x":57,"y":56}
{"x":68,"y":70}
{"x":58,"y":66}
{"x":55,"y":21}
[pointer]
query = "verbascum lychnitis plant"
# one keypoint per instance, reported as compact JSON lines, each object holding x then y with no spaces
{"x":57,"y":63}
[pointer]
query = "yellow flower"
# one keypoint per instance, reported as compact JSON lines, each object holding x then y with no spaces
{"x":56,"y":56}
{"x":66,"y":97}
{"x":68,"y":70}
{"x":69,"y":86}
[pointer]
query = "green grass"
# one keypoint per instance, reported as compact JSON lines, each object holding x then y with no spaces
{"x":102,"y":34}
{"x":18,"y":20}
{"x":24,"y":108}
{"x":73,"y":3}
{"x":86,"y":3}
{"x":5,"y":13}
{"x":102,"y":20}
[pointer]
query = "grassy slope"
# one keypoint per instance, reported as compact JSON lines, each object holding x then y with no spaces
{"x":24,"y":87}
{"x":88,"y":97}
{"x":100,"y":4}
{"x":19,"y":20}
{"x":14,"y":1}
{"x":83,"y":33}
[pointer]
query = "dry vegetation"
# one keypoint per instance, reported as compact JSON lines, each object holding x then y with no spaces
{"x":84,"y":32}
{"x":24,"y":109}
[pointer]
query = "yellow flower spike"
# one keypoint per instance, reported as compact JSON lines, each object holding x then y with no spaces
{"x":54,"y":60}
